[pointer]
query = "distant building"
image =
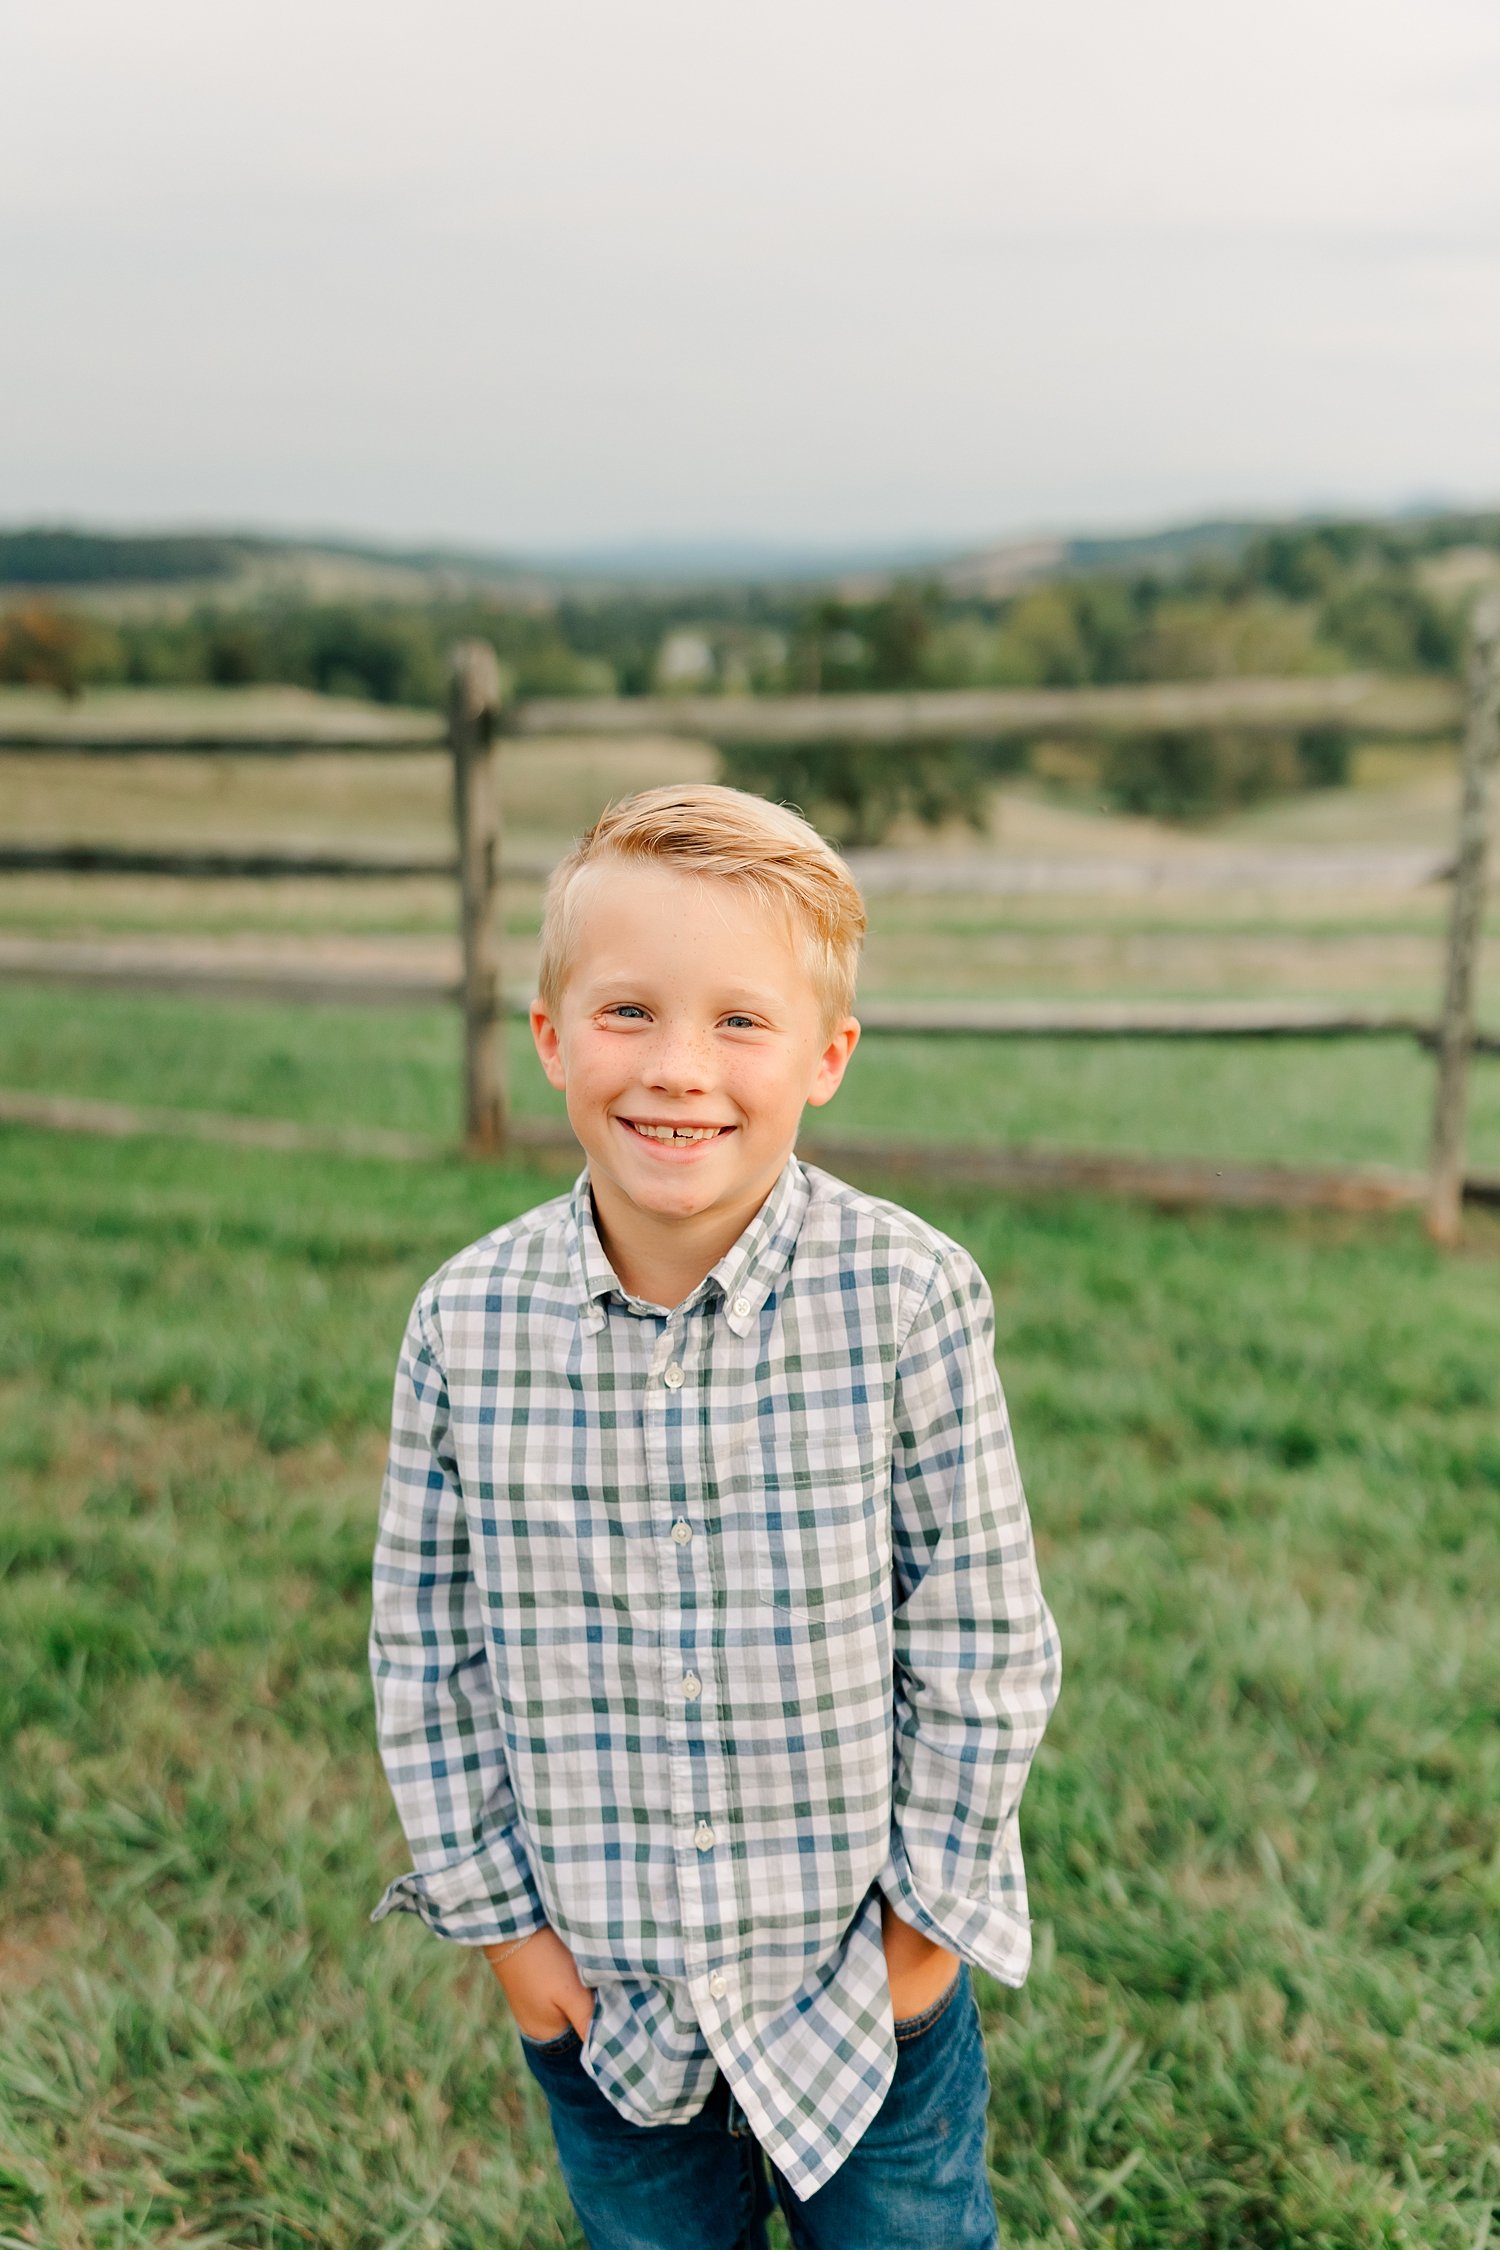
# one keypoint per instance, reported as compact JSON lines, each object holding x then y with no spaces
{"x":685,"y":660}
{"x":720,"y":659}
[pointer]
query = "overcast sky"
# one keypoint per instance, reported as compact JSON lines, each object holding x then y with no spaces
{"x":803,"y":269}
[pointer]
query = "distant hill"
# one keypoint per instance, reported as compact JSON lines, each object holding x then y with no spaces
{"x":42,"y":555}
{"x":736,"y":562}
{"x":1168,"y":549}
{"x":140,"y":574}
{"x":120,"y":570}
{"x":56,"y":557}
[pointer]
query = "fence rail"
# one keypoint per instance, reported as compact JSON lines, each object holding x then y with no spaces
{"x":1172,"y":1183}
{"x":882,"y":872}
{"x":122,"y":966}
{"x":479,"y":722}
{"x":131,"y":859}
{"x":1357,"y":701}
{"x":1366,"y":703}
{"x":84,"y":743}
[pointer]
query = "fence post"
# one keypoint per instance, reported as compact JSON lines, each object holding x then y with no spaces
{"x":1465,"y":925}
{"x":473,"y":719}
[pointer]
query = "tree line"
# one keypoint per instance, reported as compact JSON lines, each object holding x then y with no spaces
{"x":1325,"y":597}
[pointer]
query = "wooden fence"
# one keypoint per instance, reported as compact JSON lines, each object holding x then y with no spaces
{"x":479,"y":722}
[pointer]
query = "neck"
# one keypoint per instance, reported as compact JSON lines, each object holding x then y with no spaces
{"x":663,"y":1259}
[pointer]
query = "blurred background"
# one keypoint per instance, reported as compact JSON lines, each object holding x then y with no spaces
{"x":1057,"y":451}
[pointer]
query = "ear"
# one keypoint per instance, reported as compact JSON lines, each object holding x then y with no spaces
{"x":548,"y":1043}
{"x":833,"y":1062}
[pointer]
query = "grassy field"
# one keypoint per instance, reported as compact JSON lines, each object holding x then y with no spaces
{"x":1293,"y":1101}
{"x":1264,"y":1833}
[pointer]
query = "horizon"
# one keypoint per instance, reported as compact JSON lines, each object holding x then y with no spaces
{"x":742,"y":543}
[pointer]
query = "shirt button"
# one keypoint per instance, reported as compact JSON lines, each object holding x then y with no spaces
{"x":718,"y":1985}
{"x":673,"y":1377}
{"x":741,"y":1306}
{"x":703,"y":1837}
{"x":682,"y":1532}
{"x":692,"y":1686}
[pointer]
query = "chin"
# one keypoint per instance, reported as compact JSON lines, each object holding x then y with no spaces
{"x":670,"y":1201}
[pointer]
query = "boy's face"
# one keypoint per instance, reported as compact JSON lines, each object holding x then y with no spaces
{"x":687,"y":1004}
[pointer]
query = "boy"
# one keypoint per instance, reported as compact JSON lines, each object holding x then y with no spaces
{"x":708,"y":1648}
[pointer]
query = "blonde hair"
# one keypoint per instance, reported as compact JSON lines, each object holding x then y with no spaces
{"x":706,"y":829}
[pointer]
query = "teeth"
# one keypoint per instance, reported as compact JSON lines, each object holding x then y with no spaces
{"x":680,"y":1132}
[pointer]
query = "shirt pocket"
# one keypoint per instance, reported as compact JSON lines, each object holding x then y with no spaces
{"x":807,"y":1523}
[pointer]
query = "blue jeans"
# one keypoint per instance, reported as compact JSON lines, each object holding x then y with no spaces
{"x":915,"y":2181}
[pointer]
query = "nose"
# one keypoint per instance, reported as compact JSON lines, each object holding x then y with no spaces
{"x":679,"y":1062}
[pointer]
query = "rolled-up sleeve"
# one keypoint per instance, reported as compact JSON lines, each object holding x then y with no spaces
{"x":436,"y":1719}
{"x":978,"y":1665}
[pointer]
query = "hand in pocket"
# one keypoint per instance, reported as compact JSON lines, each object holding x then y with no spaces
{"x":540,"y":1981}
{"x":918,"y":1969}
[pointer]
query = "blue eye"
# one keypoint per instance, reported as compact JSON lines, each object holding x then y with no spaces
{"x":747,"y":1022}
{"x":626,"y":1008}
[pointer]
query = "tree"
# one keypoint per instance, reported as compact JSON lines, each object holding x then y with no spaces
{"x":45,"y":647}
{"x":857,"y":791}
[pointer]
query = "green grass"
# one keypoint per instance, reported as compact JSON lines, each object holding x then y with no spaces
{"x":1293,"y":1101}
{"x":1263,"y":1834}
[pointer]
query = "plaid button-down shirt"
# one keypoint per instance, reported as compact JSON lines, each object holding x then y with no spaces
{"x":696,"y":1631}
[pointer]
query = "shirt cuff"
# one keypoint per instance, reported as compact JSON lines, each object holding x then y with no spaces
{"x":482,"y":1900}
{"x":989,"y":1931}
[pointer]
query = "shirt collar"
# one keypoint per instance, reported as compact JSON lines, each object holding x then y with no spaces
{"x":743,"y":1278}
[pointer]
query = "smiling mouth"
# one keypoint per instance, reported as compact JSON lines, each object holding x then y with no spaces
{"x":675,"y":1136}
